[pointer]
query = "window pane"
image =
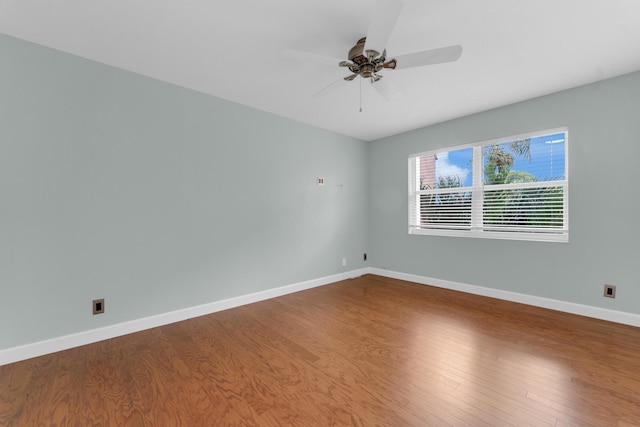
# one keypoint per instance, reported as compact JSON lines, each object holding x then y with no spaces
{"x":537,"y":159}
{"x":449,"y":169}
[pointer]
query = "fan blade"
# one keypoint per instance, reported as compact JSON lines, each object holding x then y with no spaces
{"x":383,"y":20}
{"x":429,"y":57}
{"x":386,"y":89}
{"x":313,"y":58}
{"x":330,"y":88}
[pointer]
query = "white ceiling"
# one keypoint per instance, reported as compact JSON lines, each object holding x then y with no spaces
{"x":240,"y":50}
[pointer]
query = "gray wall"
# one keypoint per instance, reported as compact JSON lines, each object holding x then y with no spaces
{"x":158,"y":198}
{"x":604,"y":203}
{"x":155,"y":197}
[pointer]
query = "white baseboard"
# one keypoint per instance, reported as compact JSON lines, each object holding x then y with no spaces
{"x":16,"y":354}
{"x":568,"y":307}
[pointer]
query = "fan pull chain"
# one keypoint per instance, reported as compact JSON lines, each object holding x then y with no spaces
{"x":360,"y":94}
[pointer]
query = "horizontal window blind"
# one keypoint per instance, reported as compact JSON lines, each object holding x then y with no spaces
{"x":515,"y":188}
{"x":533,"y":209}
{"x":446,"y":210}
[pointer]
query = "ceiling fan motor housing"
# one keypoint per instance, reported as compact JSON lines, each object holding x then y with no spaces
{"x":366,"y":64}
{"x":358,"y":55}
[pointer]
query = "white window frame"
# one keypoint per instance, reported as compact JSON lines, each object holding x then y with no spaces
{"x":477,"y":189}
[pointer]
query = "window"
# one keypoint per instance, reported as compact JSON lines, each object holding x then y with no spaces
{"x":512,"y":188}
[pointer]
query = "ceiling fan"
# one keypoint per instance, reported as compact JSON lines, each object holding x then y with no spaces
{"x":369,"y":56}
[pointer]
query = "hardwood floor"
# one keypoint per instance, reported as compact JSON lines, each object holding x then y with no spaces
{"x":364,"y":352}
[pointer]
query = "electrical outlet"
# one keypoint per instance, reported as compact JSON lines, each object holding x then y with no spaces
{"x":364,"y":256}
{"x":98,"y":306}
{"x":320,"y":180}
{"x":344,"y":261}
{"x":609,"y":291}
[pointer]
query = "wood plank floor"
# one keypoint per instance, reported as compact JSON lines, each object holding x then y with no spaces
{"x":364,"y":352}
